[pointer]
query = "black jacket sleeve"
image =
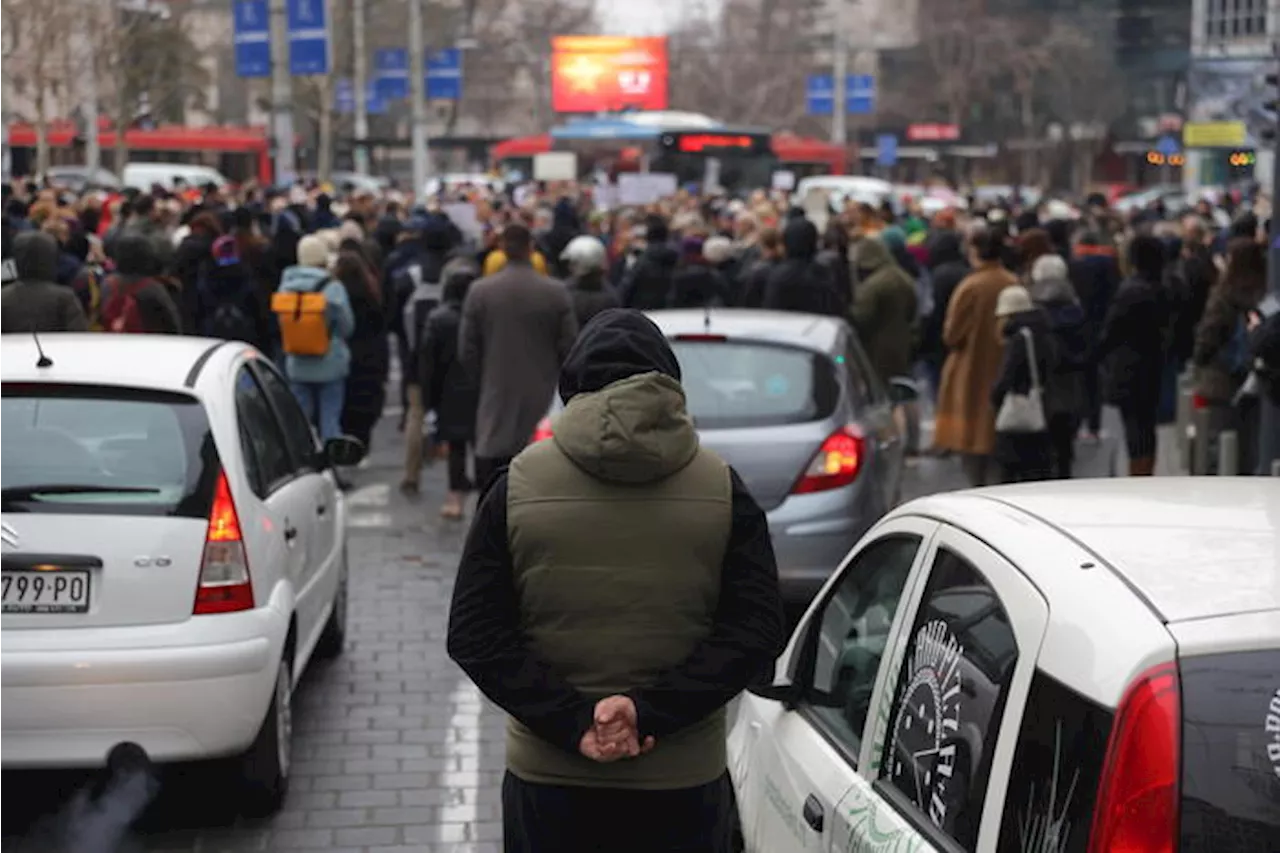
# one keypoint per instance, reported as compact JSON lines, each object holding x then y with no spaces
{"x":746,"y":637}
{"x":486,"y":641}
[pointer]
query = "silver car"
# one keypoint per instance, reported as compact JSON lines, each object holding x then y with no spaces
{"x":791,"y":402}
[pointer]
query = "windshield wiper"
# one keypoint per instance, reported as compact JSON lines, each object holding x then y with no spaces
{"x":27,"y":493}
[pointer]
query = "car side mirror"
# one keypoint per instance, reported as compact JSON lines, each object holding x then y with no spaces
{"x":787,"y":694}
{"x":344,"y":450}
{"x":903,"y":390}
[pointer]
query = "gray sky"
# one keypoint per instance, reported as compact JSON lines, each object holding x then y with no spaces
{"x":642,"y":17}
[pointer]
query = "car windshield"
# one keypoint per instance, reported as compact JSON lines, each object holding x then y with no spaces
{"x":99,"y":450}
{"x":736,"y":384}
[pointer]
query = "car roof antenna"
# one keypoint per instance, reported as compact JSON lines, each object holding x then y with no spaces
{"x":43,"y":360}
{"x":706,"y":317}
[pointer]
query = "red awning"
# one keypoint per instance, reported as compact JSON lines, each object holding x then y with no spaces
{"x":521,"y":146}
{"x":170,"y":138}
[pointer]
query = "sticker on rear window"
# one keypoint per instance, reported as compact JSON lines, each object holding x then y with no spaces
{"x":924,"y":755}
{"x":1272,"y":727}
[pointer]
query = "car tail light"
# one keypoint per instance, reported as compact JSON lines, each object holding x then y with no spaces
{"x":224,"y":585}
{"x":542,"y":432}
{"x":836,"y":464}
{"x":1137,"y":806}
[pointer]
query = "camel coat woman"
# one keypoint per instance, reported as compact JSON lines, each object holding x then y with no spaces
{"x":966,"y":422}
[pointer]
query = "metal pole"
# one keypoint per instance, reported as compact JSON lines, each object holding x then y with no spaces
{"x":839,"y":74}
{"x":5,"y":49}
{"x":418,"y":99}
{"x":1228,"y":453}
{"x":282,"y":95}
{"x":1273,"y":259}
{"x":89,"y":91}
{"x":361,"y":74}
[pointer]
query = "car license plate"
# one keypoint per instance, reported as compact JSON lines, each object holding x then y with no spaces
{"x":65,"y":591}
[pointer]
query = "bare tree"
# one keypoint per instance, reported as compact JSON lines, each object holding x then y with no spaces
{"x":34,"y":47}
{"x":746,"y":65}
{"x":1086,"y":92}
{"x":957,"y":37}
{"x":144,"y":55}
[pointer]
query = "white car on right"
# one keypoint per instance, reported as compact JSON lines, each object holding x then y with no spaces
{"x":1088,"y":666}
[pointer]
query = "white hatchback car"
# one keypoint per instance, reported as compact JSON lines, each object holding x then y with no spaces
{"x":1090,"y":665}
{"x":174,"y":552}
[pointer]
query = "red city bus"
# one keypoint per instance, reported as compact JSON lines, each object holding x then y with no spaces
{"x":240,"y":153}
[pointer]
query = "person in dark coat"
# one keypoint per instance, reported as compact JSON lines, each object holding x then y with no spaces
{"x":1095,"y":275}
{"x":1264,"y":354}
{"x":585,"y":259}
{"x":35,"y":302}
{"x":366,"y":380}
{"x":447,"y":387}
{"x":1051,"y":290}
{"x":193,"y":263}
{"x":255,"y":255}
{"x":135,"y":300}
{"x":230,"y":303}
{"x":800,"y":283}
{"x":948,"y":267}
{"x":1132,"y":348}
{"x":834,"y":255}
{"x":565,"y":225}
{"x":755,"y":275}
{"x":1022,"y":456}
{"x":696,"y":284}
{"x":647,"y":285}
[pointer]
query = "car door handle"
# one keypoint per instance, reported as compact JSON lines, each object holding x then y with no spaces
{"x":813,"y":813}
{"x":290,"y":533}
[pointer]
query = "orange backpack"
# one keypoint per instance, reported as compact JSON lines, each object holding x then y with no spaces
{"x":304,"y":328}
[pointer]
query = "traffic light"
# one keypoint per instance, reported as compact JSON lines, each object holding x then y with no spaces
{"x":1243,"y":159}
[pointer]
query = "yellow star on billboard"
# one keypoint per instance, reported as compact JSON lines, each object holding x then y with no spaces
{"x":583,"y":73}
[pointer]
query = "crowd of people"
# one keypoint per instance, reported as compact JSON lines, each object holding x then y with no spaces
{"x":1019,"y":322}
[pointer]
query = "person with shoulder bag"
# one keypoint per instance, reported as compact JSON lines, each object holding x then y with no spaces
{"x":315,"y":322}
{"x":1023,"y":447}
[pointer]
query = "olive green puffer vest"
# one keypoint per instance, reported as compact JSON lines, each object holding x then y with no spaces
{"x":617,"y":530}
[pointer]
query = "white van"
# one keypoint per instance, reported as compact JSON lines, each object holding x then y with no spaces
{"x":859,"y":188}
{"x":144,"y":176}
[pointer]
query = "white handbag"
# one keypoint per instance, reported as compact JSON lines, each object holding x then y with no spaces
{"x":1024,"y":413}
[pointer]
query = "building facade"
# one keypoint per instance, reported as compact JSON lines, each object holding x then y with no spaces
{"x":1233,"y":47}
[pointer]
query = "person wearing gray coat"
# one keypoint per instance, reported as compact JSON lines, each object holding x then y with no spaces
{"x":34,"y":302}
{"x":517,"y":327}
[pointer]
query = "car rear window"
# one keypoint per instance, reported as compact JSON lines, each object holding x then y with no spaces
{"x":99,"y":450}
{"x":735,"y":384}
{"x":1231,"y":752}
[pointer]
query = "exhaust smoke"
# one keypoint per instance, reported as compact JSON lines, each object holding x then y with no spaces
{"x":98,"y":816}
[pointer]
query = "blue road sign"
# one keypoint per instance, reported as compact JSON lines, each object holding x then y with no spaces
{"x":444,"y":75}
{"x":859,"y":94}
{"x":374,"y":103}
{"x":344,"y":95}
{"x":886,"y":149}
{"x":308,"y":38}
{"x":391,"y":73}
{"x":252,"y":38}
{"x":1168,"y":145}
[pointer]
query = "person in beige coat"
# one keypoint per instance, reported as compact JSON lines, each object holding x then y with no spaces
{"x":966,"y":421}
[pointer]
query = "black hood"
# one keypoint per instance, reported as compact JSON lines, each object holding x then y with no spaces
{"x":662,"y":254}
{"x":1036,"y":320}
{"x":800,"y":239}
{"x":945,"y":247}
{"x":35,"y":256}
{"x":615,"y":344}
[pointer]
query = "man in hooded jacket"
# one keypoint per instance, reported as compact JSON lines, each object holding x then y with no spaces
{"x":801,"y":282}
{"x":648,"y":284}
{"x":617,"y":589}
{"x":884,"y":309}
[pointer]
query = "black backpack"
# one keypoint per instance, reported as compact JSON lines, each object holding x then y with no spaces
{"x":225,"y":317}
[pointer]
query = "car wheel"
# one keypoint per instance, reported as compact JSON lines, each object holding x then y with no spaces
{"x":264,"y":769}
{"x":334,"y":637}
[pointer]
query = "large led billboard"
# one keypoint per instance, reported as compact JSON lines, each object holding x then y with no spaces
{"x":610,"y":73}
